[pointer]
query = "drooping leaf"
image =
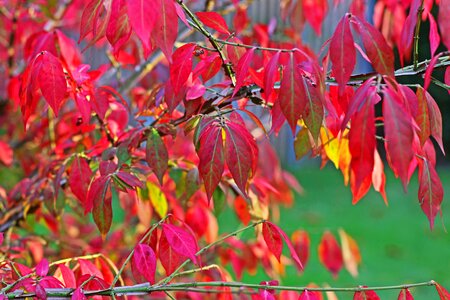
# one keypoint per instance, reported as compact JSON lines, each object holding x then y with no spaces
{"x":78,"y":294}
{"x":422,"y":118}
{"x":240,"y":153}
{"x":144,"y":260}
{"x":156,"y":154}
{"x":213,"y":20}
{"x":242,"y":210}
{"x":431,"y":192}
{"x":377,"y":49}
{"x":211,"y":156}
{"x":89,"y":18}
{"x":405,"y":294}
{"x":273,"y":239}
{"x":6,"y":154}
{"x":166,"y":26}
{"x":365,"y":295}
{"x":406,"y":36}
{"x":270,"y":73}
{"x":308,"y":295}
{"x":362,"y":144}
{"x":443,"y":293}
{"x":433,"y":36}
{"x":99,"y":196}
{"x":378,"y":177}
{"x":444,"y":25}
{"x":398,"y":135}
{"x":302,"y":143}
{"x":158,"y":199}
{"x":313,"y":114}
{"x":362,"y":94}
{"x":52,"y":81}
{"x":330,"y":254}
{"x":181,"y":241}
{"x":301,"y":242}
{"x":68,"y":276}
{"x":292,"y":98}
{"x":242,"y":69}
{"x":315,"y":12}
{"x":170,"y":259}
{"x":350,"y":253}
{"x":342,"y":53}
{"x":435,"y":120}
{"x":79,"y":178}
{"x":143,"y":15}
{"x":429,"y":71}
{"x":118,"y":30}
{"x":181,"y":67}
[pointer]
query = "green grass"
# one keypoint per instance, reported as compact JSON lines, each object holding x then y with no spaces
{"x":396,"y":243}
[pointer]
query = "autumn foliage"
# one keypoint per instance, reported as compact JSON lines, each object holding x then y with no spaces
{"x":116,"y":110}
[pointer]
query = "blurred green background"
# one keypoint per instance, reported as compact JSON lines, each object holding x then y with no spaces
{"x":396,"y":243}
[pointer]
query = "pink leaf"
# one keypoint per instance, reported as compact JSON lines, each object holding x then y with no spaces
{"x":270,"y":73}
{"x":429,"y":71}
{"x":78,"y":295}
{"x":166,"y":26}
{"x":68,"y":276}
{"x":213,"y":20}
{"x":144,"y":260}
{"x":405,"y":294}
{"x":170,"y":259}
{"x":52,"y":81}
{"x":181,"y":67}
{"x":406,"y":36}
{"x":142,"y":15}
{"x":242,"y":69}
{"x":434,"y":36}
{"x":365,"y":295}
{"x":342,"y":53}
{"x":42,"y":268}
{"x":444,"y":24}
{"x":181,"y":241}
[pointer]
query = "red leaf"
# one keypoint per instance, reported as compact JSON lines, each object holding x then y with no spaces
{"x":314,"y":12}
{"x":433,"y":36}
{"x":273,"y":239}
{"x":406,"y":36}
{"x":1,"y":238}
{"x":294,"y":255}
{"x":170,"y":259}
{"x":398,"y":134}
{"x":89,"y":18}
{"x":378,"y":177}
{"x":80,"y":178}
{"x":443,"y":293}
{"x":444,"y":24}
{"x":342,"y":53}
{"x":143,"y":15}
{"x":144,"y":260}
{"x":129,"y":179}
{"x":212,"y":67}
{"x":240,"y":153}
{"x":99,"y":197}
{"x":6,"y":154}
{"x":366,"y":295}
{"x":78,"y":295}
{"x":292,"y":94}
{"x":308,"y":295}
{"x":362,"y":144}
{"x":405,"y":294}
{"x":270,"y":74}
{"x":431,"y":192}
{"x":68,"y":276}
{"x":429,"y":71}
{"x":213,"y":20}
{"x":181,"y":241}
{"x":435,"y":120}
{"x":166,"y":26}
{"x":361,"y":95}
{"x":242,"y":210}
{"x":181,"y":67}
{"x":156,"y":154}
{"x":211,"y":156}
{"x":42,"y":268}
{"x":422,"y":118}
{"x":301,"y":242}
{"x":118,"y":30}
{"x":52,"y":81}
{"x":330,"y":254}
{"x":377,"y":49}
{"x":242,"y":69}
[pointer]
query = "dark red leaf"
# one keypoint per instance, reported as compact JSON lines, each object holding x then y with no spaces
{"x":270,"y":73}
{"x":301,"y":243}
{"x":169,"y":258}
{"x":405,"y":294}
{"x":273,"y":239}
{"x":142,"y":15}
{"x":361,"y":95}
{"x":52,"y":81}
{"x":213,"y":20}
{"x":377,"y":49}
{"x":431,"y":192}
{"x":342,"y":53}
{"x":144,"y":260}
{"x":99,"y":197}
{"x":157,"y":156}
{"x":80,"y":178}
{"x":42,"y":268}
{"x":211,"y":156}
{"x":129,"y":179}
{"x":181,"y":241}
{"x":435,"y":120}
{"x":406,"y":36}
{"x":330,"y":254}
{"x":398,"y":134}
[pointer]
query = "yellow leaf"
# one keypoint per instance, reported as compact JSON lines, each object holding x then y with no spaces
{"x":330,"y":145}
{"x":350,"y":253}
{"x":157,"y":198}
